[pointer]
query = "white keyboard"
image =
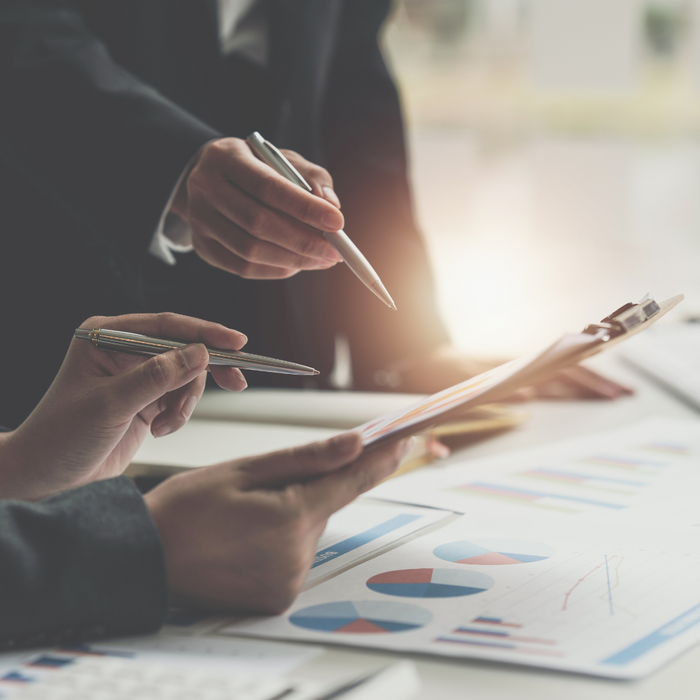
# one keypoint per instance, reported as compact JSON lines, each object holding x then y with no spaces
{"x":59,"y":677}
{"x":126,"y":679}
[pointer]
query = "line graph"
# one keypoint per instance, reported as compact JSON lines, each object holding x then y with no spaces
{"x":607,"y":575}
{"x":583,"y":578}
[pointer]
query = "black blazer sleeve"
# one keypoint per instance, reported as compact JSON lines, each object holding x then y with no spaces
{"x":84,"y":131}
{"x":366,"y":151}
{"x":84,"y":564}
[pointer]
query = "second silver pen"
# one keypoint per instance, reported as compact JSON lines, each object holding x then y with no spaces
{"x":338,"y":239}
{"x":137,"y":344}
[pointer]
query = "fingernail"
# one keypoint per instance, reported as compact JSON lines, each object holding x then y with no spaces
{"x":193,"y":355}
{"x":188,"y":406}
{"x":333,"y":256}
{"x":331,"y":196}
{"x":161,"y":430}
{"x":240,"y":376}
{"x":331,"y":221}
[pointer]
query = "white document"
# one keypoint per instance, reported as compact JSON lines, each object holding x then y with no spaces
{"x":200,"y":443}
{"x":308,"y":407}
{"x":603,"y":475}
{"x":364,"y":527}
{"x":510,"y":591}
{"x":596,"y":570}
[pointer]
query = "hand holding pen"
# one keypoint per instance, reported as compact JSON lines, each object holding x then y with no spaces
{"x":247,"y":220}
{"x":102,"y":405}
{"x":340,"y":241}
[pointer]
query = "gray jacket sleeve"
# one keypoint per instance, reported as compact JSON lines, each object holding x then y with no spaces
{"x":83,"y":564}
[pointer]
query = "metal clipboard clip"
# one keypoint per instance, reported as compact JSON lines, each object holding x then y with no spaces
{"x":625,"y":319}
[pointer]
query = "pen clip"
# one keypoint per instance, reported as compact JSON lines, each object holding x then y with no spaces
{"x":92,"y":334}
{"x":270,"y":154}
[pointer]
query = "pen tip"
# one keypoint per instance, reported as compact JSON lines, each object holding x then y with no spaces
{"x":315,"y":372}
{"x":380,"y":290}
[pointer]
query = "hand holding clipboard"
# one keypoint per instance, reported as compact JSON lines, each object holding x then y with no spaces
{"x":500,"y":382}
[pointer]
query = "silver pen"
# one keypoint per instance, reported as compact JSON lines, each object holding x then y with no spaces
{"x":339,"y":239}
{"x":137,"y":344}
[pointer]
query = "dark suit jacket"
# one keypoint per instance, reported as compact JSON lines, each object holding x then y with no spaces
{"x":103,"y":102}
{"x":84,"y":564}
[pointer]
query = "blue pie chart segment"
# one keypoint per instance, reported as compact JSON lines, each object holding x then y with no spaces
{"x":493,"y":552}
{"x":361,"y":617}
{"x":430,"y":583}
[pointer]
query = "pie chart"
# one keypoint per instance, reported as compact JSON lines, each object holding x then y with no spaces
{"x":430,"y":583}
{"x":490,"y":552}
{"x":361,"y":617}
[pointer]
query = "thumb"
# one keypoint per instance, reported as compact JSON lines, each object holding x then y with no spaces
{"x":300,"y":463}
{"x":148,"y":382}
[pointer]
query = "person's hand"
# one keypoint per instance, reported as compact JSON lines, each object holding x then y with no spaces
{"x":242,"y":535}
{"x":249,"y":220}
{"x":102,"y":404}
{"x":445,"y":366}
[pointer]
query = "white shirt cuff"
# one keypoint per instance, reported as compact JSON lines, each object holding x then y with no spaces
{"x":173,"y":234}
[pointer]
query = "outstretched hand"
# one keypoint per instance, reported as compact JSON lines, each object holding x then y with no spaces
{"x":242,"y":535}
{"x":445,"y":366}
{"x":101,"y":405}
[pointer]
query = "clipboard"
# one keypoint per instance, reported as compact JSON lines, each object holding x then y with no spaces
{"x":499,"y":383}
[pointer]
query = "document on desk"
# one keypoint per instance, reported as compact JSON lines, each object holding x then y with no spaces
{"x":601,"y":475}
{"x":363,"y":528}
{"x":583,"y":558}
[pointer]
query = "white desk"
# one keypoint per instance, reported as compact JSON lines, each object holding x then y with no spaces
{"x":447,"y":679}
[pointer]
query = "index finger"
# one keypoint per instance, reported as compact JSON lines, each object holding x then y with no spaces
{"x":260,"y":181}
{"x":325,"y":495}
{"x":170,"y":326}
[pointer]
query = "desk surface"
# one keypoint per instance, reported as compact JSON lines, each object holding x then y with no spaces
{"x":476,"y":680}
{"x":446,"y":678}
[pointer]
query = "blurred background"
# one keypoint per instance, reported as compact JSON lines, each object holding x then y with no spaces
{"x":555,"y":155}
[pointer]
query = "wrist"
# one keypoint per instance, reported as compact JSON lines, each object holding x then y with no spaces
{"x":178,"y":206}
{"x":14,"y":480}
{"x":179,"y":202}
